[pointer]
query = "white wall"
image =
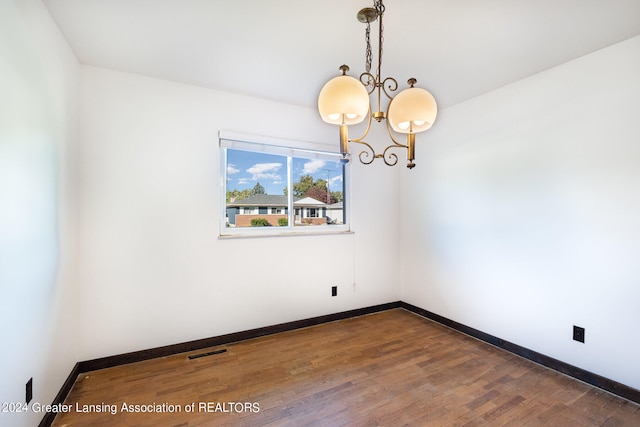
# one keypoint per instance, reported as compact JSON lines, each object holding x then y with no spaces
{"x":38,"y":81}
{"x":153,"y":271}
{"x":523,"y":217}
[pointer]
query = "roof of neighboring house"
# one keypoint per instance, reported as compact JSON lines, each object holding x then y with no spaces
{"x":337,"y":205}
{"x":308,"y":201}
{"x":273,"y":200}
{"x":261,"y":200}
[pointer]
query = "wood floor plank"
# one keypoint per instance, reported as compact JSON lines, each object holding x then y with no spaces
{"x":392,"y":368}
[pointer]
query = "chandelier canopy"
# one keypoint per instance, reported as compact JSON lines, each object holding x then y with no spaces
{"x":344,"y":101}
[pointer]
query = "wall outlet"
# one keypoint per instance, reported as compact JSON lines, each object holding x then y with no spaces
{"x":29,"y":390}
{"x":334,"y":291}
{"x":578,"y":333}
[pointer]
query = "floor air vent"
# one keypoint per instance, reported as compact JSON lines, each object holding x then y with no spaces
{"x":210,"y":353}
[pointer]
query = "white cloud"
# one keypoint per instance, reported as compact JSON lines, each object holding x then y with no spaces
{"x":265,"y":171}
{"x":334,"y":181}
{"x":231,"y":169}
{"x":313,"y":166}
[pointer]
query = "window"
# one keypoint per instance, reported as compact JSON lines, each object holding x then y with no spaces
{"x":272,"y":188}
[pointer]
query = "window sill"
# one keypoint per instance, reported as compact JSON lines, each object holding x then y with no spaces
{"x":252,"y":234}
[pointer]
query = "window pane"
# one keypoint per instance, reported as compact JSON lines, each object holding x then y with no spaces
{"x":256,"y":189}
{"x":318,"y":191}
{"x":281,"y":190}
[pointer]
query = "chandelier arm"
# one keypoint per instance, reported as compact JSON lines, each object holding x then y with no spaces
{"x":364,"y":154}
{"x":392,"y":86}
{"x":390,"y":131}
{"x":369,"y":82}
{"x":410,"y":147}
{"x":366,"y":132}
{"x":392,"y":157}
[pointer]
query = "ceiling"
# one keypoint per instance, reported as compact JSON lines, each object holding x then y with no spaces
{"x":286,"y":50}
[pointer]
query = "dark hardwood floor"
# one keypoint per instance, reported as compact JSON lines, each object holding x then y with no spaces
{"x":391,"y":368}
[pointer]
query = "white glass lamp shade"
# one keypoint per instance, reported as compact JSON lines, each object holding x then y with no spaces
{"x":413,"y":110}
{"x":343,"y":99}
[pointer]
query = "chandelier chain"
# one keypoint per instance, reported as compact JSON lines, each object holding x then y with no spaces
{"x":379,"y":6}
{"x":369,"y":53}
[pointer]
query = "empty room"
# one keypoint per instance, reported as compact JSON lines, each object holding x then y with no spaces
{"x":338,"y":213}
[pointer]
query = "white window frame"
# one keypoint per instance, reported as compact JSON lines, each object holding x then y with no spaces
{"x":289,"y":149}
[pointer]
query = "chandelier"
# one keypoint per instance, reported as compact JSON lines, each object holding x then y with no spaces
{"x":344,"y":101}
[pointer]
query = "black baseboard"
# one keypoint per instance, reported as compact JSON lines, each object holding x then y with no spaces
{"x":595,"y":380}
{"x":169,"y":350}
{"x":47,"y":420}
{"x":601,"y":382}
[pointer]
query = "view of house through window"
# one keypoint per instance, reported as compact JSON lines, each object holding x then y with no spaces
{"x":274,"y":186}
